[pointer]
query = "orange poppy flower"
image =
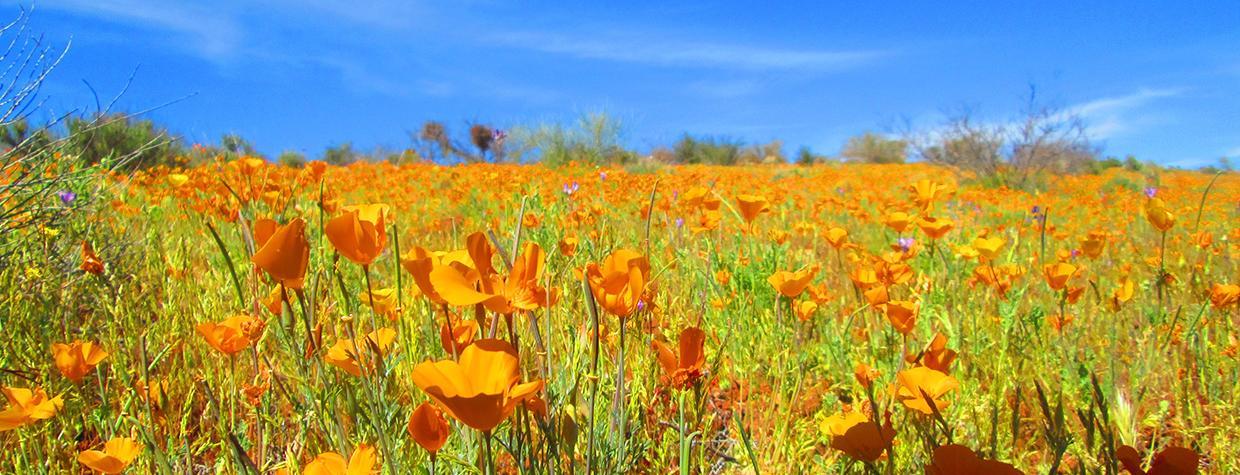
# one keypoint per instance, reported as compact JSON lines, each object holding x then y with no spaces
{"x":362,"y":462}
{"x":461,"y":334}
{"x":482,"y":389}
{"x":360,"y":233}
{"x":344,"y":354}
{"x":751,"y":206}
{"x":837,"y":237}
{"x":1093,"y":244}
{"x":76,"y":359}
{"x":1170,"y":461}
{"x":791,"y":284}
{"x":381,"y":301}
{"x":419,"y":262}
{"x":865,"y":374}
{"x":988,"y":247}
{"x":428,"y":428}
{"x":1122,"y":293}
{"x":115,"y":457}
{"x":805,"y":310}
{"x":232,"y":335}
{"x":1222,"y":295}
{"x":920,"y":379}
{"x":876,"y":295}
{"x":90,"y":262}
{"x":935,"y":228}
{"x":902,"y":314}
{"x":960,"y":460}
{"x":938,"y":357}
{"x":27,"y":406}
{"x":684,"y":370}
{"x":619,"y":282}
{"x":568,"y":246}
{"x":1158,"y":215}
{"x":925,"y":191}
{"x":285,"y":254}
{"x":1057,"y":274}
{"x":898,"y":221}
{"x":521,"y":290}
{"x":861,"y":438}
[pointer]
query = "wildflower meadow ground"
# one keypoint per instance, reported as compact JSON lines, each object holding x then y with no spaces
{"x":245,"y":317}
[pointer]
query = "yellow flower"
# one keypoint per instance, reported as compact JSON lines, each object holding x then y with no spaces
{"x":115,"y":457}
{"x":27,"y":406}
{"x":76,"y":359}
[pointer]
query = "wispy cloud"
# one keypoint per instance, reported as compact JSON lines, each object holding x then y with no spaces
{"x":207,"y":31}
{"x":1111,"y":116}
{"x":647,"y":50}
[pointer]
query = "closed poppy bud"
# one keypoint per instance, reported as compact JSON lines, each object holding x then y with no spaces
{"x":90,"y":262}
{"x":360,"y":233}
{"x":285,"y":254}
{"x":1158,"y":215}
{"x":115,"y":457}
{"x":902,"y":314}
{"x":76,"y":359}
{"x":428,"y":428}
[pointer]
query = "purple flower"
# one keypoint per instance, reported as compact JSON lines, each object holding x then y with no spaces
{"x":680,"y":222}
{"x":641,"y":305}
{"x":66,"y":196}
{"x":602,"y":176}
{"x":1076,"y":252}
{"x":905,"y":243}
{"x":1036,"y":209}
{"x":498,"y":135}
{"x":569,"y":190}
{"x":1150,"y":192}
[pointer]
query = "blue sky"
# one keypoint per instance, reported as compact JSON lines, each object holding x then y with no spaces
{"x":1161,"y":82}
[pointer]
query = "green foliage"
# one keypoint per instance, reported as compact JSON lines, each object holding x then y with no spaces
{"x":707,"y":150}
{"x":22,"y":138}
{"x":340,"y":155}
{"x":595,"y":139}
{"x":121,"y":139}
{"x":292,"y":158}
{"x":874,"y":148}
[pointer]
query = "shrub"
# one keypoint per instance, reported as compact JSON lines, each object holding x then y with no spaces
{"x":874,"y":148}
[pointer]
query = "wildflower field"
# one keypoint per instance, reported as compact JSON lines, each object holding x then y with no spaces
{"x":243,"y":317}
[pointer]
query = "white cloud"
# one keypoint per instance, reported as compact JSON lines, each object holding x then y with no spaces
{"x":1111,"y":116}
{"x":213,"y":34}
{"x":647,"y":50}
